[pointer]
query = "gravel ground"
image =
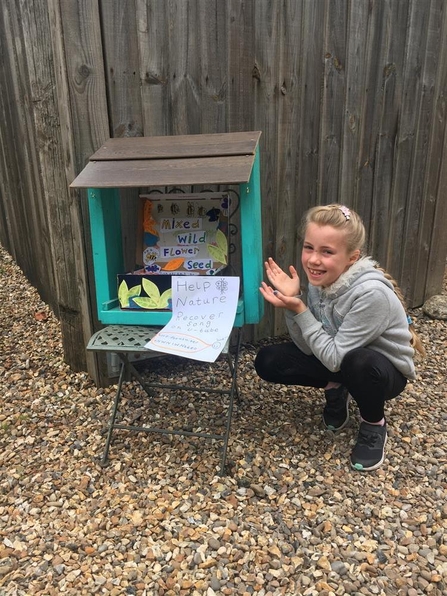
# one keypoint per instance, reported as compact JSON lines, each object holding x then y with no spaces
{"x":292,"y":518}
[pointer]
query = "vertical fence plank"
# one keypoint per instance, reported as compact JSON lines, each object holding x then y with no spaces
{"x":405,"y":209}
{"x":288,"y":209}
{"x":84,"y":73}
{"x":370,"y":100}
{"x":69,"y":208}
{"x":154,"y":66}
{"x":426,"y":37}
{"x":332,"y":107}
{"x":308,"y":174}
{"x":356,"y":48}
{"x":266,"y":104}
{"x":185,"y":96}
{"x":213,"y":53}
{"x":386,"y":213}
{"x":240,"y":65}
{"x":54,"y":199}
{"x":29,"y":216}
{"x":86,"y":78}
{"x":12,"y":192}
{"x":267,"y":46}
{"x":121,"y":61}
{"x":240,"y":31}
{"x":430,"y":260}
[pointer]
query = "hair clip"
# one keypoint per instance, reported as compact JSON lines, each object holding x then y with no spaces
{"x":346,"y":212}
{"x":409,"y":320}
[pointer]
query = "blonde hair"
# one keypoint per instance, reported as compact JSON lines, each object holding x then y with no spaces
{"x":342,"y":218}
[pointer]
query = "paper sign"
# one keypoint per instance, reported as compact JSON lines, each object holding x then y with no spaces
{"x":203,"y":313}
{"x":184,"y":233}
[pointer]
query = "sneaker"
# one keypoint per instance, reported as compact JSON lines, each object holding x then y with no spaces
{"x":369,"y":451}
{"x":336,"y":410}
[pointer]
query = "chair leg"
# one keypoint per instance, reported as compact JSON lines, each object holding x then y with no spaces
{"x":234,"y":391}
{"x":136,"y":375}
{"x":114,"y":412}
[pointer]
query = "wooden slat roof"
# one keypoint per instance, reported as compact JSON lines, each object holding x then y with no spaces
{"x":222,"y":158}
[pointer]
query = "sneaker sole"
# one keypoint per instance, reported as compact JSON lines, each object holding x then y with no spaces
{"x":332,"y":428}
{"x":361,"y":468}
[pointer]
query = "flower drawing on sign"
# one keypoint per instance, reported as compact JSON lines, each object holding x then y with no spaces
{"x":222,"y":285}
{"x":152,"y":268}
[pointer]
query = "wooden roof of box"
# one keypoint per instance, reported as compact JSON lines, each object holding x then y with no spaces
{"x":221,"y":158}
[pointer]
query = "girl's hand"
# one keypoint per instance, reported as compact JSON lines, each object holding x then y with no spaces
{"x":289,"y":285}
{"x":279,"y":300}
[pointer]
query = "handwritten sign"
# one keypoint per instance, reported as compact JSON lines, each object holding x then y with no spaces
{"x":203,"y":313}
{"x":184,"y":233}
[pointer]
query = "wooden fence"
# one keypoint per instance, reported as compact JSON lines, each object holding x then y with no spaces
{"x":350,"y":96}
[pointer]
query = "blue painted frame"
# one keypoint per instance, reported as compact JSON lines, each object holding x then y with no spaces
{"x":105,"y":227}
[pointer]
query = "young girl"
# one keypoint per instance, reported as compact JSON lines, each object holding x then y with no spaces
{"x":352,"y":339}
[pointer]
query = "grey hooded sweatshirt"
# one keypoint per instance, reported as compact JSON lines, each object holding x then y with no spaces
{"x":360,"y":309}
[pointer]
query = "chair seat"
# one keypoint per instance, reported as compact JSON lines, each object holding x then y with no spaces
{"x":123,"y":338}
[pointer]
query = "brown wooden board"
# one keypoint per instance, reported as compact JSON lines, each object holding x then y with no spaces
{"x":386,"y":212}
{"x":241,"y":28}
{"x":211,"y":67}
{"x":427,"y":275}
{"x":165,"y":172}
{"x":83,"y":92}
{"x":206,"y":145}
{"x":288,"y":211}
{"x":309,"y":139}
{"x":153,"y":38}
{"x":267,"y":98}
{"x":333,"y":96}
{"x":353,"y":103}
{"x":121,"y":53}
{"x":369,"y":101}
{"x":418,"y":105}
{"x":28,"y":219}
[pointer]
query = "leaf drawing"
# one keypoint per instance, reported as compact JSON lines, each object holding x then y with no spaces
{"x":125,"y":294}
{"x":164,"y":299}
{"x":147,"y":303}
{"x":173,"y":264}
{"x":151,"y":289}
{"x":217,"y":253}
{"x":221,"y":241}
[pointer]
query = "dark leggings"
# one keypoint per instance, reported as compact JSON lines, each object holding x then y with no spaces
{"x":369,"y":376}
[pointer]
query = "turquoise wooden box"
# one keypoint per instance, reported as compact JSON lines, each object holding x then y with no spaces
{"x":143,"y":162}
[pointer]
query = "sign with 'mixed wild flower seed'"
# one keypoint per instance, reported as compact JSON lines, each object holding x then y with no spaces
{"x":179,"y":234}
